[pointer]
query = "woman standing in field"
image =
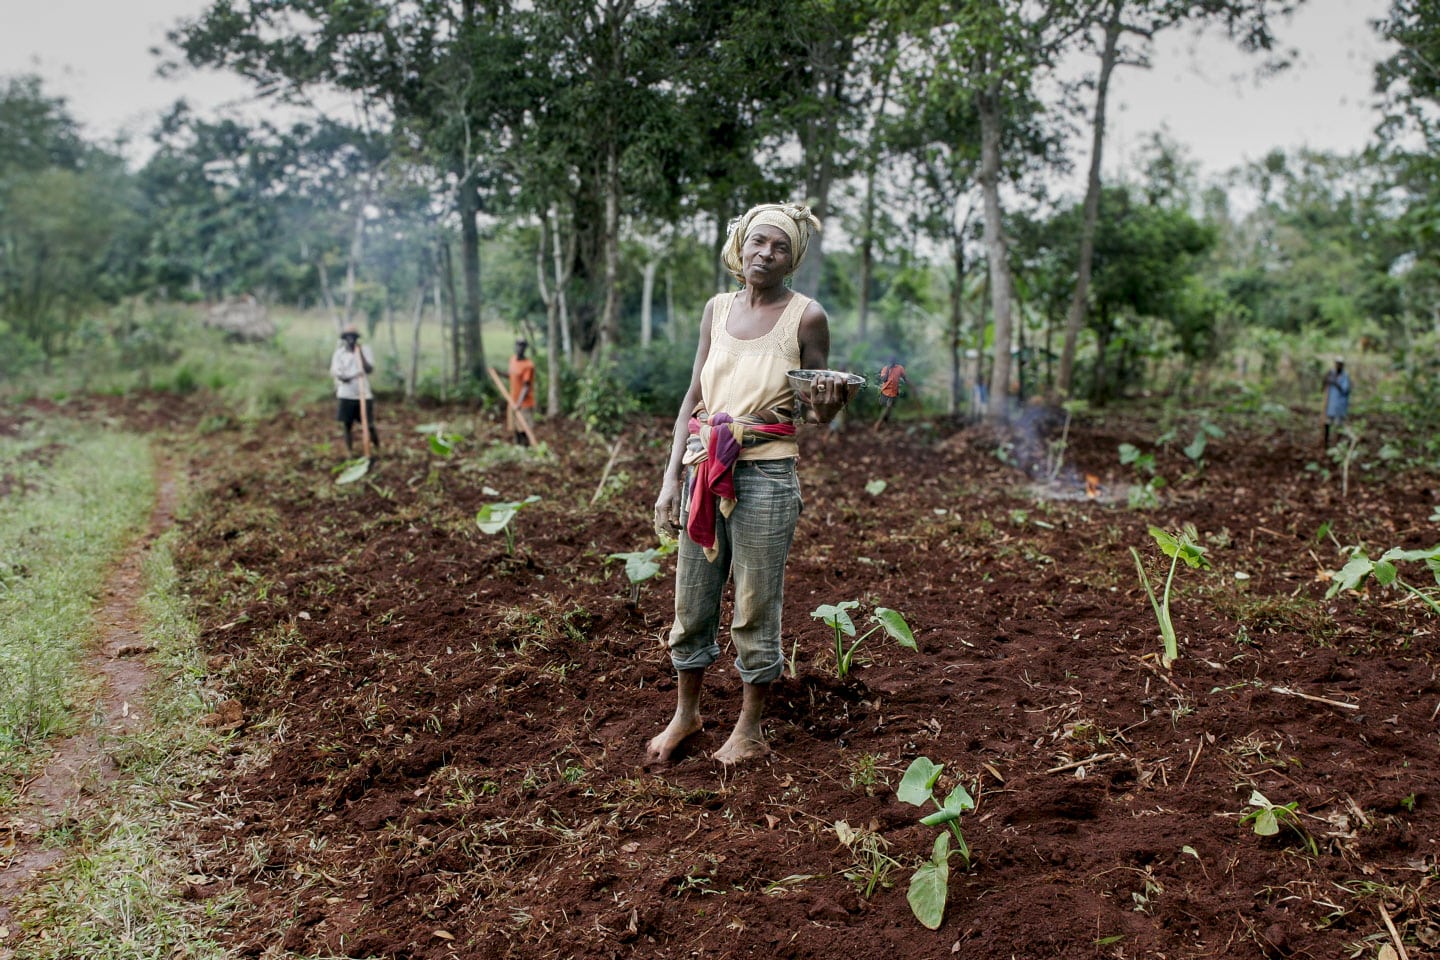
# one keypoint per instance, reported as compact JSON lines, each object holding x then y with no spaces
{"x":730,"y":488}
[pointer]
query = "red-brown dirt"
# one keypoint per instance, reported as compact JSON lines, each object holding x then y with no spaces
{"x":443,"y":745}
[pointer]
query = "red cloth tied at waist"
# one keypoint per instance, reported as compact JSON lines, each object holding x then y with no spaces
{"x":723,"y":437}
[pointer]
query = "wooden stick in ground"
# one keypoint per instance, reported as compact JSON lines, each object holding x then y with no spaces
{"x":1287,"y":692}
{"x":364,"y":416}
{"x":605,"y":474}
{"x":1394,"y":934}
{"x":505,"y":392}
{"x":1097,"y":758}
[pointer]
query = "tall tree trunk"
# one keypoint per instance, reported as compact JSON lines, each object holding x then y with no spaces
{"x":820,"y":149}
{"x":1080,"y":301}
{"x":647,"y":298}
{"x":563,"y":258}
{"x":672,"y":322}
{"x":996,"y":252}
{"x":390,"y":322}
{"x":412,"y":372}
{"x":957,"y":318}
{"x":323,"y":273}
{"x":610,"y":321}
{"x":867,"y":224}
{"x":867,"y":255}
{"x":723,"y":280}
{"x":447,"y":262}
{"x":551,"y":299}
{"x":474,"y":361}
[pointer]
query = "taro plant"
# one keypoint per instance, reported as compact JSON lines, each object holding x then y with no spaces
{"x":1360,"y":567}
{"x":1195,"y":449}
{"x":1177,"y":548}
{"x":352,"y":470}
{"x":1145,"y":492}
{"x":442,"y":442}
{"x":1266,"y":819}
{"x":498,"y":518}
{"x":930,"y":884}
{"x":643,"y":565}
{"x":837,"y":617}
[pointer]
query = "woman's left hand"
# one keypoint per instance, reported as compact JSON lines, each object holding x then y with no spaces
{"x":829,"y":392}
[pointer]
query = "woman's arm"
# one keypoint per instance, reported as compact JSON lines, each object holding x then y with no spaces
{"x":667,"y":505}
{"x":828,"y":394}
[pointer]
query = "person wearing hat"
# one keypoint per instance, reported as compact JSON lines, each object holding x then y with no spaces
{"x":350,"y":367}
{"x":730,"y":493}
{"x":521,"y":411}
{"x":1337,"y":397}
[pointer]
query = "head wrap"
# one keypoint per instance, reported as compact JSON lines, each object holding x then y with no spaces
{"x":794,"y":219}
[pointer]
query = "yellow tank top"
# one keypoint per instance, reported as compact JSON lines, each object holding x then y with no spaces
{"x":748,"y":376}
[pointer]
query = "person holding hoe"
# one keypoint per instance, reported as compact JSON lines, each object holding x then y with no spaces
{"x":350,"y":367}
{"x":892,"y":376}
{"x":520,"y":412}
{"x":1337,"y":398}
{"x":730,"y":491}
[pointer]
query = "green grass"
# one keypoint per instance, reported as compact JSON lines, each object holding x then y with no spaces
{"x":254,"y":381}
{"x":115,"y":895}
{"x":78,"y":494}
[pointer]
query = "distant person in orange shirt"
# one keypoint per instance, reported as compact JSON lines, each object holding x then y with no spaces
{"x":892,"y":375}
{"x":522,"y":394}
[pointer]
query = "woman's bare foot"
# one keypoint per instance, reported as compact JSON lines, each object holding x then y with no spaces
{"x":663,"y":744}
{"x":746,"y":741}
{"x":739,"y":748}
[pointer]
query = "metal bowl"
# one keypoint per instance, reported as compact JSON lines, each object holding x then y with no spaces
{"x":802,"y":381}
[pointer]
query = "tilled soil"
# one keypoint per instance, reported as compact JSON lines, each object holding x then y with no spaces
{"x":443,"y":743}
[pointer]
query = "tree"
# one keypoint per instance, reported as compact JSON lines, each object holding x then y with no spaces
{"x":1000,"y":50}
{"x":63,"y":204}
{"x":1248,"y":21}
{"x":451,"y":75}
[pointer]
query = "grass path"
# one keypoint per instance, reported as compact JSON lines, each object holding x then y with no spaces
{"x":81,"y":764}
{"x":90,"y":846}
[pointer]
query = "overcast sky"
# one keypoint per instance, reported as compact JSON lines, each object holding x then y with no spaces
{"x":96,"y":53}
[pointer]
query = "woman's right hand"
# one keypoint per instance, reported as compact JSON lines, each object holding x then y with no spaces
{"x":667,"y":509}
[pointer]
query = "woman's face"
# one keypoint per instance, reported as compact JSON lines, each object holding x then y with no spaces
{"x":766,"y":256}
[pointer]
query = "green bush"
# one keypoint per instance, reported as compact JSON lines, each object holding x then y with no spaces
{"x":602,"y":401}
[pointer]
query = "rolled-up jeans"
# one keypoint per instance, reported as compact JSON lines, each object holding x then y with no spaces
{"x":753,"y":543}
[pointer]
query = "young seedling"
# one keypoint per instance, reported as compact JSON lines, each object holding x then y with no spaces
{"x":837,"y":617}
{"x":1184,"y":547}
{"x":642,"y":565}
{"x":352,"y":470}
{"x":497,"y":517}
{"x":1344,"y":453}
{"x":872,"y":864}
{"x":1055,"y":449}
{"x":442,"y":442}
{"x":1267,"y":818}
{"x":1144,"y":495}
{"x":929,"y":886}
{"x":1195,"y":450}
{"x":1355,"y":572}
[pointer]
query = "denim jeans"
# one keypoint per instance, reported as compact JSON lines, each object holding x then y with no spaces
{"x":753,"y":543}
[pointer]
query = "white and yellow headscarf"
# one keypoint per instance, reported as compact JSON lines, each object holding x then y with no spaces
{"x":796,"y":220}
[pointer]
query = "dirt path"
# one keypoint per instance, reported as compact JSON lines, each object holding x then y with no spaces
{"x":82,"y":767}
